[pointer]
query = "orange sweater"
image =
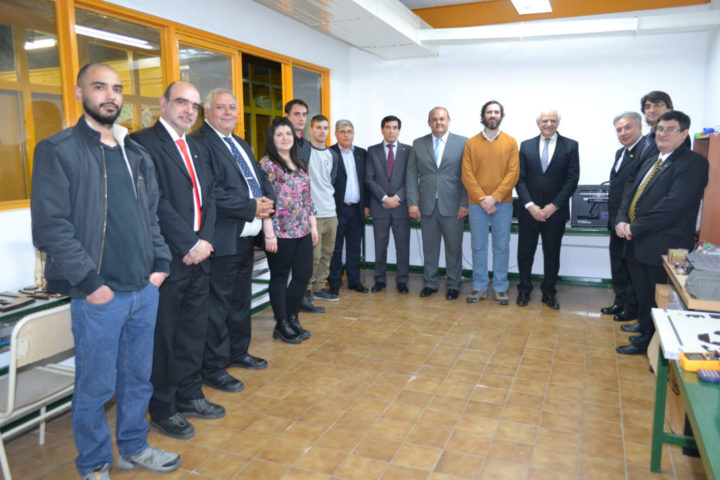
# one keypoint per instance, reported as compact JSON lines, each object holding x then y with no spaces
{"x":490,"y":168}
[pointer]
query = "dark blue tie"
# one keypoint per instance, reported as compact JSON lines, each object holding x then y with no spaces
{"x":245,"y":168}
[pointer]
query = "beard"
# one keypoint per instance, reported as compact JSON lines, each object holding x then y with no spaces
{"x":492,"y":125}
{"x":96,"y":114}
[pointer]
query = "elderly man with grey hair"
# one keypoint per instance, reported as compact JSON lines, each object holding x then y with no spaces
{"x":351,"y":205}
{"x":243,"y":197}
{"x":549,"y":173}
{"x":628,"y":126}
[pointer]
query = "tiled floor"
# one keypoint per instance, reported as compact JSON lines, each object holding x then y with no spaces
{"x":397,"y":387}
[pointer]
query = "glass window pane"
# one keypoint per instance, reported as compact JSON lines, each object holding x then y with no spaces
{"x":13,"y":184}
{"x":262,"y":87}
{"x":47,"y":115}
{"x":133,"y":50}
{"x":205,"y":69}
{"x":8,"y":71}
{"x":306,"y":85}
{"x":42,"y":56}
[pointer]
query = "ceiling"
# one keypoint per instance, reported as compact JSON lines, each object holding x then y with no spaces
{"x":394,"y":29}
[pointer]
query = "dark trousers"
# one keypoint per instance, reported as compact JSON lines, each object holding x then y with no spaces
{"x":644,"y":278}
{"x":551,"y":231}
{"x":401,"y":235}
{"x":229,"y":326}
{"x":349,"y":232}
{"x":624,"y":293}
{"x":179,"y":338}
{"x":293,"y":255}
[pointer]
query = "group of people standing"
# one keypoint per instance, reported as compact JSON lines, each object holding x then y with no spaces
{"x":152,"y":235}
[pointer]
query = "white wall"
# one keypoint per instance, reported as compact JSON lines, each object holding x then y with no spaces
{"x":17,"y":255}
{"x":589,"y":80}
{"x":711,"y":118}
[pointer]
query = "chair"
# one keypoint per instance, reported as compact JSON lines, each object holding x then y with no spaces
{"x":33,"y":382}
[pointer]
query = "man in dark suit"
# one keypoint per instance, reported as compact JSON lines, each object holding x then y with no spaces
{"x":351,"y":206}
{"x":187,"y":221}
{"x":243,"y":196}
{"x":661,"y":215}
{"x":549,"y":173}
{"x":385,"y":180}
{"x":437,"y":197}
{"x":628,"y":127}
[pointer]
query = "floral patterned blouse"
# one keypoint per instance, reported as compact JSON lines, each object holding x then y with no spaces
{"x":293,"y":204}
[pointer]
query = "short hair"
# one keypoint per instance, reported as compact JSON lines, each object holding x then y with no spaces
{"x":343,"y":123}
{"x":293,"y":102}
{"x":634,"y":115}
{"x":537,"y":119}
{"x":168,"y":90}
{"x":319,"y":118}
{"x":390,"y":118}
{"x":271,"y":149}
{"x":83,"y":71}
{"x":491,"y":102}
{"x":214,"y":93}
{"x":681,"y":118}
{"x":438,"y":108}
{"x":656,"y":96}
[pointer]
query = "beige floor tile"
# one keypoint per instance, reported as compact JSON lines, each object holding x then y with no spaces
{"x":460,"y":464}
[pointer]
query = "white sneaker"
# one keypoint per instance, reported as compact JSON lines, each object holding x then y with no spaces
{"x":102,"y":474}
{"x":151,"y":458}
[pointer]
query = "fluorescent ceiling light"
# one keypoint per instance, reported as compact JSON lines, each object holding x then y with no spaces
{"x":527,"y":7}
{"x":40,"y":43}
{"x":113,"y":37}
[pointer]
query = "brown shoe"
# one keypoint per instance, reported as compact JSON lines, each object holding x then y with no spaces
{"x":502,"y":298}
{"x":476,"y":296}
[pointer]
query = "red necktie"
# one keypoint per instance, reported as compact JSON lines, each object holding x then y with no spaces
{"x":183,"y":148}
{"x":391,"y":159}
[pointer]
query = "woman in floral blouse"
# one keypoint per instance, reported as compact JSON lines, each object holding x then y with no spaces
{"x":291,"y":233}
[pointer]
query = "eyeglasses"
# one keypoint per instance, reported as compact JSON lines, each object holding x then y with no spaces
{"x":662,"y":130}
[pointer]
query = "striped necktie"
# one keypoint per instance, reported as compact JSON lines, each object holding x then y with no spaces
{"x":633,"y":204}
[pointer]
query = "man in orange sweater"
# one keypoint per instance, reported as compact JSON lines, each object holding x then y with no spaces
{"x":490,"y":170}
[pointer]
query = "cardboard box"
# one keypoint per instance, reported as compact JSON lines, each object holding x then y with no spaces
{"x":662,"y":294}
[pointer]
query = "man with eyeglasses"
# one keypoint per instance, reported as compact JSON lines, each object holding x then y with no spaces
{"x":187,"y":221}
{"x":351,"y":205}
{"x":243,"y":197}
{"x":661,"y":215}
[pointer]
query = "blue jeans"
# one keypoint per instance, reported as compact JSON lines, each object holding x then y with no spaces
{"x":480,"y":222}
{"x":113,"y":355}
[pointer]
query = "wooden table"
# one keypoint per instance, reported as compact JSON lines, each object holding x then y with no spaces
{"x":692,"y":303}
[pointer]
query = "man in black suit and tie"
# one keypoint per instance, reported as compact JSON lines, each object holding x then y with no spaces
{"x":243,"y":197}
{"x":549,"y":173}
{"x":628,"y":127}
{"x":385,"y":180}
{"x":187,"y":221}
{"x":351,"y":206}
{"x":661,"y":215}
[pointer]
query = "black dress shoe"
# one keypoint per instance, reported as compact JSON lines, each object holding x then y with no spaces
{"x":611,"y":310}
{"x":174,"y":427}
{"x":427,"y":291}
{"x":402,"y":287}
{"x":634,"y":328}
{"x":358,"y":287}
{"x":249,"y":362}
{"x":625,"y":316}
{"x":523,"y":299}
{"x":308,"y":307}
{"x":631,"y":349}
{"x":634,"y":338}
{"x":452,"y":294}
{"x":200,"y":408}
{"x":297,"y":328}
{"x":641,"y":340}
{"x":550,"y":301}
{"x":223,"y":381}
{"x":378,"y":287}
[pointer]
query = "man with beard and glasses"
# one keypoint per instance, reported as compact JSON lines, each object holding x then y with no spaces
{"x":437,"y":198}
{"x":490,"y":170}
{"x":94,"y":202}
{"x":187,"y":221}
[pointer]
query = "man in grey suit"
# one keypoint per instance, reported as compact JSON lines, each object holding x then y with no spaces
{"x":385,"y":180}
{"x":437,"y":197}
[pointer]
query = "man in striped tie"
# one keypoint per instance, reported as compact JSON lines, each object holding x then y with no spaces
{"x":661,"y":214}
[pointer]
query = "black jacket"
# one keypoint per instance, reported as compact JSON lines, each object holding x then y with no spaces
{"x":69,"y":207}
